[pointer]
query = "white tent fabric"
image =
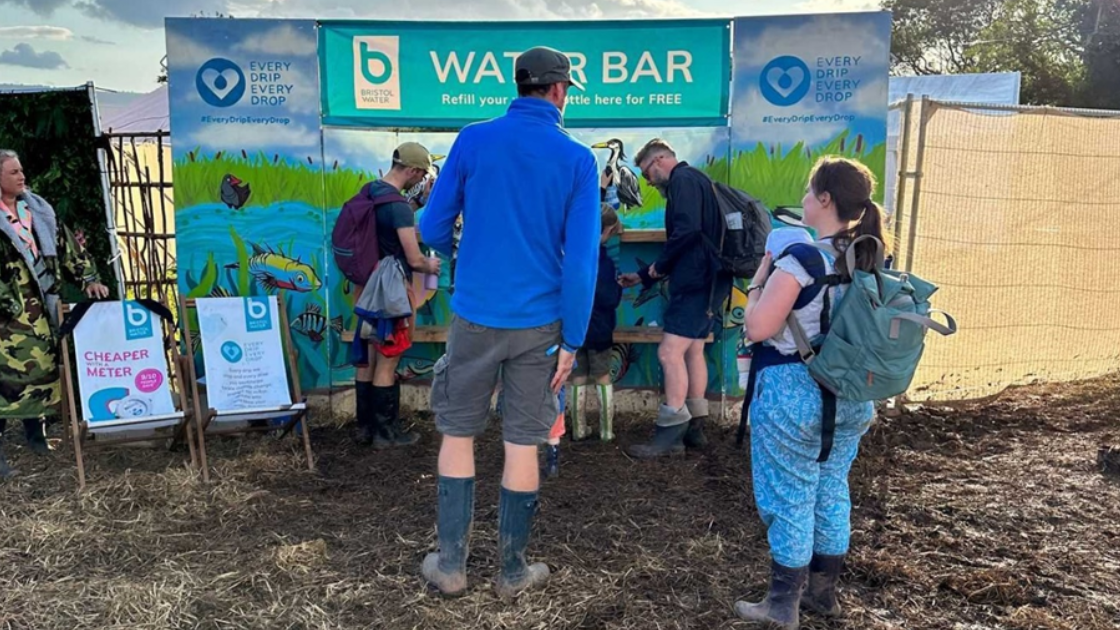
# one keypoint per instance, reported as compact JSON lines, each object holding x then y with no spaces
{"x":145,"y":114}
{"x":993,"y":88}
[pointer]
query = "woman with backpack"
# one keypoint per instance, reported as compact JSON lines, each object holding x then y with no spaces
{"x":803,"y":502}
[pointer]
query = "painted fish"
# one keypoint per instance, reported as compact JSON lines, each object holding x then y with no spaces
{"x":220,"y":292}
{"x":416,"y":368}
{"x":312,"y":323}
{"x":273,"y":270}
{"x":737,"y":305}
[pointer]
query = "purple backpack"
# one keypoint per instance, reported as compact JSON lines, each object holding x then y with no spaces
{"x":354,"y":238}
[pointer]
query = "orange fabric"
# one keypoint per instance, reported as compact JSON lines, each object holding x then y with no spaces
{"x":557,"y":427}
{"x":402,"y":332}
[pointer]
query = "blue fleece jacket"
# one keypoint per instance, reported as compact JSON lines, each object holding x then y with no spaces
{"x":529,"y":196}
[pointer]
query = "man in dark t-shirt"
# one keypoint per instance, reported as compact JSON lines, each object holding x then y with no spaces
{"x":377,"y":392}
{"x":392,"y":217}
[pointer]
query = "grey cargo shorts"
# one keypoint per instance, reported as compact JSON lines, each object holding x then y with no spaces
{"x":465,"y":378}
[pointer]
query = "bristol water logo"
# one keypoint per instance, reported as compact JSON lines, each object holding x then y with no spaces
{"x":377,"y":80}
{"x":137,"y":321}
{"x":220,"y":82}
{"x":785,"y":81}
{"x":258,"y":315}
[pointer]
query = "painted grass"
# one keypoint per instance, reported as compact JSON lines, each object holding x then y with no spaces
{"x":778,"y":176}
{"x":198,"y":179}
{"x":775,"y":174}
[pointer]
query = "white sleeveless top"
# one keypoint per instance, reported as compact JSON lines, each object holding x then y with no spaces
{"x":810,"y":316}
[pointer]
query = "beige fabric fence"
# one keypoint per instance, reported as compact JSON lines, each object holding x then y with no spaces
{"x":1015,"y":214}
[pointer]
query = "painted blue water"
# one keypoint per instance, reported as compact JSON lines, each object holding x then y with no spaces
{"x":296,"y":230}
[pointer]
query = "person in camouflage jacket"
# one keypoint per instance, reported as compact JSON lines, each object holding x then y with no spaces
{"x":36,"y":252}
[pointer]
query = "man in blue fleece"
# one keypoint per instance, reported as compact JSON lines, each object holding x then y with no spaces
{"x":528,"y":194}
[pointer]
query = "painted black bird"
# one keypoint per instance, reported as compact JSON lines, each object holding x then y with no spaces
{"x":629,"y":192}
{"x":234,"y":192}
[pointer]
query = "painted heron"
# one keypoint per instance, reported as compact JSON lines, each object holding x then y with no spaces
{"x":629,"y":192}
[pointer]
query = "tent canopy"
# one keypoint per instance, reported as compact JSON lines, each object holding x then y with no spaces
{"x":145,"y":114}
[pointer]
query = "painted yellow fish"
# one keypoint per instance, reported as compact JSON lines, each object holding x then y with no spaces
{"x":274,"y":270}
{"x":736,"y":308}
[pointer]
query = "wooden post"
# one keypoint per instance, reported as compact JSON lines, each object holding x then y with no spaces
{"x":75,"y":430}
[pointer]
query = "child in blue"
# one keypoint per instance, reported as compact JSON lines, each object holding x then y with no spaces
{"x":804,"y":502}
{"x":593,"y":363}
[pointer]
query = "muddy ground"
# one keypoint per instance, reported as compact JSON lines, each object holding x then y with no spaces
{"x":988,"y":515}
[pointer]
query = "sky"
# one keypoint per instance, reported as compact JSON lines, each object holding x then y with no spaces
{"x":119,"y":44}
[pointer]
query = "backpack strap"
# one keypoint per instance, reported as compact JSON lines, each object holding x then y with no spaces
{"x":811,"y":258}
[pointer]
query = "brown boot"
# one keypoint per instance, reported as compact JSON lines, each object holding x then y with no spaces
{"x":820,"y":595}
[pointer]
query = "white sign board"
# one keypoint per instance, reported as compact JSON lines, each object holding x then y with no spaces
{"x":122,"y":370}
{"x":242,"y":354}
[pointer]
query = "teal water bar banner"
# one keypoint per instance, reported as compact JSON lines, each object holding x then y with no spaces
{"x":445,"y":75}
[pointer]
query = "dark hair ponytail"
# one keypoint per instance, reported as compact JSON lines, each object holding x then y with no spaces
{"x":850,"y":186}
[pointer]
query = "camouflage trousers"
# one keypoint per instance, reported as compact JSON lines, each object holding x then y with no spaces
{"x":29,"y":375}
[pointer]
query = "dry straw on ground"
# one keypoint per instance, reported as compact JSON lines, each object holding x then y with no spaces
{"x":985,"y":516}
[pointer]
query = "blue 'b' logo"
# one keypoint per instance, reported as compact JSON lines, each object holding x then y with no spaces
{"x":258,"y":315}
{"x":785,"y":81}
{"x":137,"y":321}
{"x":220,"y":82}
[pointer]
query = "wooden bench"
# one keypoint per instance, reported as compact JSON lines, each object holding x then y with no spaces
{"x":622,"y":334}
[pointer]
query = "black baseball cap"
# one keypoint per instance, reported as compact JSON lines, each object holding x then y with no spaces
{"x":544,"y":66}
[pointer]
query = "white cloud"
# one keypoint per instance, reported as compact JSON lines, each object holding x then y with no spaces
{"x":185,"y":52}
{"x":372,"y":150}
{"x":808,"y":39}
{"x":467,"y":9}
{"x":250,"y":137}
{"x":834,"y":6}
{"x":282,"y":40}
{"x":36,"y":32}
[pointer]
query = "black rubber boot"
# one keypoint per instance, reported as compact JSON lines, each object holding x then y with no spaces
{"x":400,"y":436}
{"x":386,"y":413}
{"x":694,"y":437}
{"x":36,"y":432}
{"x":515,"y":522}
{"x":363,"y":408}
{"x":551,"y":466}
{"x":780,"y":607}
{"x":820,"y":595}
{"x":446,"y":569}
{"x":667,"y":441}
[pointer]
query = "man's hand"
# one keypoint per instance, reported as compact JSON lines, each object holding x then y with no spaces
{"x":628,"y":280}
{"x":563,"y":370}
{"x":97,"y":290}
{"x":434,"y":266}
{"x":653,"y":272}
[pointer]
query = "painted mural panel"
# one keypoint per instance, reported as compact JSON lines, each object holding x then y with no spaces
{"x":354,"y":156}
{"x":248,"y":174}
{"x":804,"y":86}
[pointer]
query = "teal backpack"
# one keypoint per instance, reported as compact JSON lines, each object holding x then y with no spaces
{"x":876,"y":337}
{"x":870,"y":344}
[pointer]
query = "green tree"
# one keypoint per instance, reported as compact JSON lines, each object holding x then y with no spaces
{"x":1101,"y":28}
{"x":1066,"y":50}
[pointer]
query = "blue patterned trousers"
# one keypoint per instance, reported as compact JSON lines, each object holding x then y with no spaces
{"x":804,"y":505}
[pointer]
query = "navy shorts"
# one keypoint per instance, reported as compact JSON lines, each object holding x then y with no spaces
{"x":687,"y":313}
